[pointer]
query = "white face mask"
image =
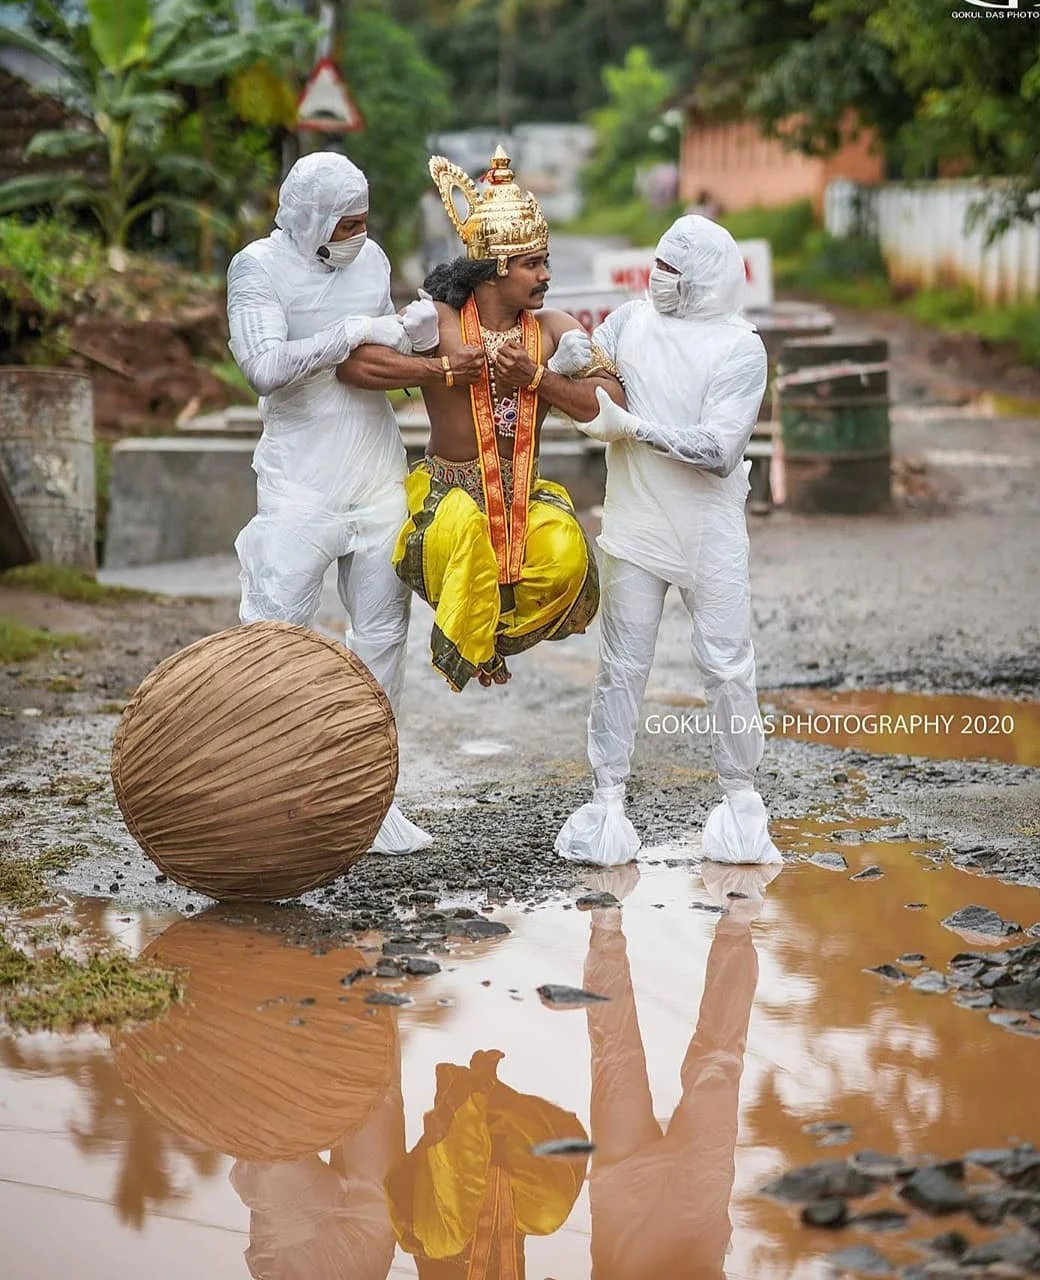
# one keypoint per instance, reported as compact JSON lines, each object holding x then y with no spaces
{"x":665,"y":291}
{"x":341,"y":253}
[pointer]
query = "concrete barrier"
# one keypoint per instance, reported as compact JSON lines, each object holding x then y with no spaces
{"x":173,"y":498}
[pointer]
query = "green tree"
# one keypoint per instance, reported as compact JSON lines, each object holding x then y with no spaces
{"x":133,"y":68}
{"x":541,"y":60}
{"x":837,"y":71}
{"x":976,"y":93}
{"x":944,"y":95}
{"x":628,"y":129}
{"x":402,"y":98}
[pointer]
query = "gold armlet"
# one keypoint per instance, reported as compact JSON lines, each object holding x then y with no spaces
{"x":600,"y":363}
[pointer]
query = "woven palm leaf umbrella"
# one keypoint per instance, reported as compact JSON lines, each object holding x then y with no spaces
{"x":266,"y":1057}
{"x":257,"y":763}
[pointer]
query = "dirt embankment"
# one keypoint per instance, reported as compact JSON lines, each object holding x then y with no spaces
{"x":153,"y":337}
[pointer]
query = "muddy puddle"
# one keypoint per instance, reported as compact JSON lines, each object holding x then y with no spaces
{"x":936,"y":726}
{"x":291,"y":1119}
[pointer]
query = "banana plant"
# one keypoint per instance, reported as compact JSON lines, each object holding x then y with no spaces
{"x":125,"y":70}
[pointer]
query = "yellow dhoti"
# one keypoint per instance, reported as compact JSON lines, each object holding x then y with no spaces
{"x":444,"y":553}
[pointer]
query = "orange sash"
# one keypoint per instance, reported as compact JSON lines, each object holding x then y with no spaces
{"x":497,"y":1220}
{"x":508,"y":529}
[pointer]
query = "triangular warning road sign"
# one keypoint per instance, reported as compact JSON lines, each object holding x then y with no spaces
{"x":326,"y":104}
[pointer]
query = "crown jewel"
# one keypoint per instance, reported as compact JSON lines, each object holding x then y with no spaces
{"x":502,"y":221}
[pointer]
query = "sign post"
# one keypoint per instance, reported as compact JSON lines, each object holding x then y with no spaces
{"x":325,"y":104}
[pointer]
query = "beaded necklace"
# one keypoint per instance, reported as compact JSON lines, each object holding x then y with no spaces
{"x":506,"y":407}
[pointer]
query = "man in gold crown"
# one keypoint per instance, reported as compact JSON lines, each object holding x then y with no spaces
{"x":494,"y":548}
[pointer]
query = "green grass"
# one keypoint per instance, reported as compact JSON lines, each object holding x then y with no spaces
{"x":786,"y":227}
{"x":56,"y":992}
{"x":50,"y":260}
{"x":23,"y":881}
{"x":66,"y":584}
{"x":956,"y":311}
{"x":19,"y":643}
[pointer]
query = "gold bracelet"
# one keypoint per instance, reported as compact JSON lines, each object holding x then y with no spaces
{"x":449,"y":377}
{"x":535,"y":382}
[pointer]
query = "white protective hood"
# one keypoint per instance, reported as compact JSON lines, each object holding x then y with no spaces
{"x":330,"y":464}
{"x":696,"y":381}
{"x":319,"y":190}
{"x":712,"y":270}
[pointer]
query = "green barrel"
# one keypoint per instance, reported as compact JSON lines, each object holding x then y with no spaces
{"x":834,"y":424}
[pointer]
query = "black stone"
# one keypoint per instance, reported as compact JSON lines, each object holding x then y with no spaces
{"x":991,"y":1207}
{"x":387,"y":997}
{"x":951,"y":1244}
{"x":825,"y":1180}
{"x":929,"y":982}
{"x":881,"y":1220}
{"x":912,"y":957}
{"x":890,"y":971}
{"x":861,"y":1259}
{"x":988,"y":1156}
{"x":976,"y":919}
{"x":1020,"y":1250}
{"x":388,"y":969}
{"x":868,"y":873}
{"x":1022,"y":1170}
{"x":567,"y":997}
{"x":1020,"y":995}
{"x":420,"y":966}
{"x":829,"y":861}
{"x":589,"y":901}
{"x":825,"y":1213}
{"x":935,"y":1192}
{"x":563,"y":1147}
{"x":877,"y":1165}
{"x":355,"y":975}
{"x":478,"y":928}
{"x":979,"y":1000}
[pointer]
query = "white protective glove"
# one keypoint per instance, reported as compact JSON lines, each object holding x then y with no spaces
{"x":421,"y":323}
{"x":383,"y":331}
{"x":573,"y":354}
{"x":611,"y":423}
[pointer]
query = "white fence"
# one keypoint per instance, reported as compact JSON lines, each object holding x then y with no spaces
{"x":923,"y":229}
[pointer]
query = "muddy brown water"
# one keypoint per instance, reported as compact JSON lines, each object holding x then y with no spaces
{"x":278,"y":1125}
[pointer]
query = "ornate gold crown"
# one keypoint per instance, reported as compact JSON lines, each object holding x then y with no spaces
{"x":502,"y":221}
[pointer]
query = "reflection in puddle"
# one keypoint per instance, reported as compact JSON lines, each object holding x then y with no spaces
{"x":277,"y":1125}
{"x":936,"y":725}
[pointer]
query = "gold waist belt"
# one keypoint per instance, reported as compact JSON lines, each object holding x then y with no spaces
{"x":466,"y":476}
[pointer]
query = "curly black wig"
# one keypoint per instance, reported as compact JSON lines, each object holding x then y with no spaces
{"x":453,"y":282}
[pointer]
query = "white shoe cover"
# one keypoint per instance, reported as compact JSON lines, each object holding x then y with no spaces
{"x":737,"y":831}
{"x":599,"y":832}
{"x":398,"y":835}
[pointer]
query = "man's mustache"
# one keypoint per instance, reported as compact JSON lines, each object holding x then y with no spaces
{"x":542,"y":288}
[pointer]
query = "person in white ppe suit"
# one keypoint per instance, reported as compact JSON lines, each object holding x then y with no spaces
{"x":330,"y":464}
{"x":694,"y":372}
